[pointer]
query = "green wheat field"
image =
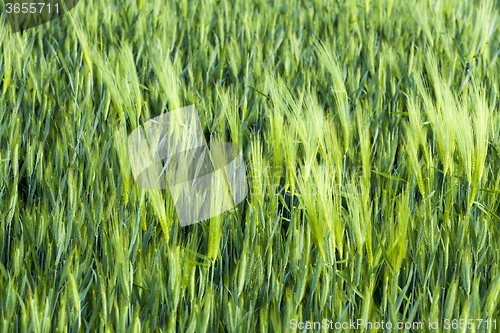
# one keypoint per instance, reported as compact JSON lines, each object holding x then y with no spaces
{"x":371,"y":136}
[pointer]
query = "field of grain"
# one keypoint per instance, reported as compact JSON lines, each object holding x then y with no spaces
{"x":369,"y":129}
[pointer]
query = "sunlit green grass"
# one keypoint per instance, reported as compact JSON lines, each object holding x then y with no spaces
{"x":370,"y":130}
